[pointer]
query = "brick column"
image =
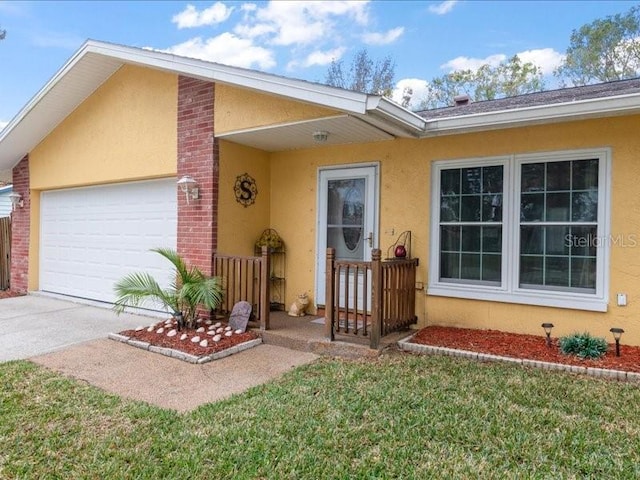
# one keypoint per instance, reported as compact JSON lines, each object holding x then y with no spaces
{"x":20,"y":229}
{"x":198,"y":157}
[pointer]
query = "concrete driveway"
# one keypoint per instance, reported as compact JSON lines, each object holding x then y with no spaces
{"x":32,"y":325}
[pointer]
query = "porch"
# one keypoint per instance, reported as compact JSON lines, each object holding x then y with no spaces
{"x":369,"y":305}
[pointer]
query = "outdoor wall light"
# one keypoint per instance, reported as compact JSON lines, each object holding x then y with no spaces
{"x":16,"y":200}
{"x":190,"y":188}
{"x":320,"y":136}
{"x":547,"y":329}
{"x":617,"y":333}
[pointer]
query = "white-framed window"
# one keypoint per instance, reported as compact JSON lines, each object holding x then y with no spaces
{"x":528,"y":228}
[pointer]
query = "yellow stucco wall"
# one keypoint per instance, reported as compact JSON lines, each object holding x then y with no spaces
{"x":239,"y":226}
{"x":126,"y":130}
{"x":232,"y":112}
{"x":405,"y":167}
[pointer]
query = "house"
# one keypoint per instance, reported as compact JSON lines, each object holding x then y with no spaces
{"x":521,"y":210}
{"x":5,"y":200}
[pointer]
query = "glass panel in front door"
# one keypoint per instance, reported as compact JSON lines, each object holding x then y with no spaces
{"x":346,"y":217}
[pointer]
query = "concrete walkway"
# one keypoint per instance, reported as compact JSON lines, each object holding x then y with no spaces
{"x":70,"y":338}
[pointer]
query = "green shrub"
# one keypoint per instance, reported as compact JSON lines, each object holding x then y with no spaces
{"x":583,"y":345}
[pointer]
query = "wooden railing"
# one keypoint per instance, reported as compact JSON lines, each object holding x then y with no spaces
{"x":369,"y":299}
{"x":5,"y":252}
{"x":245,"y":278}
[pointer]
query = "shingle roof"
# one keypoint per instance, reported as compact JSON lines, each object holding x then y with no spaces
{"x":549,"y":97}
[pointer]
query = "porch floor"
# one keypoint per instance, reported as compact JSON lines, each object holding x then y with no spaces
{"x":299,"y":333}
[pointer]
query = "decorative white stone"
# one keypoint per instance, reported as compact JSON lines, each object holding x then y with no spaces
{"x":228,"y":334}
{"x":168,"y":321}
{"x":160,"y":330}
{"x":200,"y":330}
{"x":150,"y":329}
{"x":183,"y":336}
{"x":220,"y":330}
{"x":211,"y":332}
{"x":227,"y":328}
{"x":238,"y":331}
{"x":172,"y":333}
{"x":208,"y":322}
{"x":217,"y":338}
{"x":199,"y":320}
{"x":139,"y":328}
{"x":204,"y":343}
{"x":195,"y":339}
{"x":217,"y":324}
{"x":212,"y":327}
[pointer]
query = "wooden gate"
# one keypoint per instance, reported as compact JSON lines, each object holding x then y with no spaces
{"x":5,"y":252}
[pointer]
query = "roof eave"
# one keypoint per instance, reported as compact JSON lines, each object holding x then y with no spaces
{"x":578,"y":110}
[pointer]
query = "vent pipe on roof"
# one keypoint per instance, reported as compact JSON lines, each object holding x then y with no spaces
{"x":460,"y":100}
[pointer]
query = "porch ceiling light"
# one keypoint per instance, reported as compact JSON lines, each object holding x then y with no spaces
{"x":16,"y":200}
{"x":617,"y":333}
{"x":320,"y":136}
{"x":547,"y":330}
{"x":190,"y":188}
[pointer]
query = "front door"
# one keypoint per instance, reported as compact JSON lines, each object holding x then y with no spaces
{"x":347,"y":217}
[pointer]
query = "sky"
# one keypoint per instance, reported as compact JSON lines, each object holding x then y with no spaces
{"x":425,"y":39}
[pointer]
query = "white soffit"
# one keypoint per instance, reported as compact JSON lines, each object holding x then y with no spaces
{"x":342,"y":129}
{"x":69,"y":88}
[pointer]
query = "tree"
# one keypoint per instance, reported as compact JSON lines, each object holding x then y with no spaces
{"x":364,"y":74}
{"x":189,"y":289}
{"x":3,"y":33}
{"x":509,"y":78}
{"x":604,"y":50}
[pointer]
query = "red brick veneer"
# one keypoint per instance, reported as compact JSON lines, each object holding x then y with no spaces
{"x":20,"y":229}
{"x":198,"y":156}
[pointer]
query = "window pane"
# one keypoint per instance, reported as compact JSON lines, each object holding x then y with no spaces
{"x":557,"y":241}
{"x":471,"y":239}
{"x":470,"y":268}
{"x":491,"y":268}
{"x":585,"y":206}
{"x":492,"y":239}
{"x":531,"y":240}
{"x":450,"y":239}
{"x":531,"y":270}
{"x":532,"y":207}
{"x":558,"y":176}
{"x":556,"y":271}
{"x":558,"y":205}
{"x":584,"y":241}
{"x":470,"y":211}
{"x":471,"y":180}
{"x":585,"y":174}
{"x":449,"y":265}
{"x":449,"y":209}
{"x":532,"y":177}
{"x":450,"y":182}
{"x":492,"y":208}
{"x":583,"y":273}
{"x":492,"y":179}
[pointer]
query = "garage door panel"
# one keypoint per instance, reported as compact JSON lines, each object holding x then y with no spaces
{"x":91,"y":237}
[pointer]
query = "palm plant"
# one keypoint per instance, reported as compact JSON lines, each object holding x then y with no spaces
{"x":189,"y":289}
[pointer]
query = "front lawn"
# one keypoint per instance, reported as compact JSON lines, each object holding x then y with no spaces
{"x":399,"y":417}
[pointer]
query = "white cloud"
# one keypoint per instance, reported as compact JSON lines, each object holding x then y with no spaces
{"x":324,"y":58}
{"x":418,"y":87}
{"x":442,"y":8}
{"x":467,"y":63}
{"x":228,"y":49}
{"x":190,"y":17}
{"x":547,"y":59}
{"x":375,"y":38}
{"x":301,"y":22}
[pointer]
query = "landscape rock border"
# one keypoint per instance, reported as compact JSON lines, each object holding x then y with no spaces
{"x":186,"y":357}
{"x":406,"y":345}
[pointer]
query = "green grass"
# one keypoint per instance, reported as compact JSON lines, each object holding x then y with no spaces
{"x":399,"y":417}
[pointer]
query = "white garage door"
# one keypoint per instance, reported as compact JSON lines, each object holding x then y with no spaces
{"x":91,"y":237}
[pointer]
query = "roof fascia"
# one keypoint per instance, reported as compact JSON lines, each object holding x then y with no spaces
{"x":410,"y":122}
{"x":582,"y":109}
